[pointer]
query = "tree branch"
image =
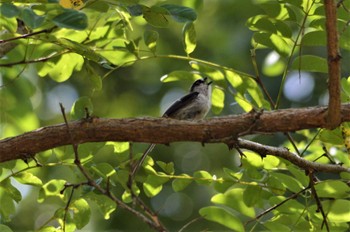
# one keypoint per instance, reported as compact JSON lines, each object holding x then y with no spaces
{"x":215,"y":130}
{"x":284,"y":153}
{"x":333,"y":117}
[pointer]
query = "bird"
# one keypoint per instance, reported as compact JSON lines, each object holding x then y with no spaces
{"x":193,"y":106}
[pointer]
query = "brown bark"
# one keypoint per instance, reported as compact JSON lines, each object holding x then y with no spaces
{"x":162,"y":130}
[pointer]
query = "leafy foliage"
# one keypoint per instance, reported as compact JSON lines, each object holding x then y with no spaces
{"x":92,"y":45}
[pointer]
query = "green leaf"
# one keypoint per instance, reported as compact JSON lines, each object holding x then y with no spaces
{"x":314,"y":38}
{"x":153,"y":185}
{"x":7,"y":208}
{"x":263,"y":24}
{"x":291,"y":183}
{"x":337,"y":210}
{"x":217,"y":100}
{"x":332,"y":136}
{"x":273,"y":41}
{"x":189,"y":37}
{"x":104,"y":170}
{"x":85,"y":51}
{"x":252,"y":195}
{"x":52,"y":188}
{"x":203,"y":177}
{"x":233,"y":198}
{"x":28,"y":178}
{"x":93,"y":77}
{"x":248,"y":93}
{"x":120,"y":147}
{"x":180,"y":75}
{"x":105,"y":205}
{"x":81,"y":107}
{"x":288,"y":206}
{"x":82,"y":213}
{"x":63,"y":69}
{"x":155,"y":16}
{"x":180,"y":14}
{"x":271,"y":8}
{"x":9,"y":10}
{"x":8,"y":189}
{"x":150,"y":38}
{"x":332,"y":189}
{"x":72,"y":19}
{"x":310,"y":63}
{"x":4,"y":228}
{"x":180,"y":184}
{"x":299,"y":175}
{"x":214,"y":74}
{"x":31,"y":19}
{"x":222,"y":216}
{"x":168,"y":168}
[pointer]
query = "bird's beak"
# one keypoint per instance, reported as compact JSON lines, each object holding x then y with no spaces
{"x":205,"y":79}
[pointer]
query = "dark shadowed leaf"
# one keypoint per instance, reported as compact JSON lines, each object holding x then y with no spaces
{"x":71,"y":19}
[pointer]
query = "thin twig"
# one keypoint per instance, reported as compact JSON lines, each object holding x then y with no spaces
{"x":276,"y":206}
{"x":27,"y":35}
{"x":317,"y":199}
{"x":152,"y":222}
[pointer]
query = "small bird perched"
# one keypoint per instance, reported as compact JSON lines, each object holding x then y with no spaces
{"x":193,"y":106}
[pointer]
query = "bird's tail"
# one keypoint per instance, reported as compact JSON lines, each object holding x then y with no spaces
{"x":143,"y":157}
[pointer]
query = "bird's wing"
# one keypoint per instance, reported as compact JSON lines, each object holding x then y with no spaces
{"x":180,"y":104}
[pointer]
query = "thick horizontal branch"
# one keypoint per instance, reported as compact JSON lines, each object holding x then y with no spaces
{"x":163,"y":130}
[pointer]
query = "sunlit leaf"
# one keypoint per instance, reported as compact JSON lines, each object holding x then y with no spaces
{"x":154,"y":184}
{"x":203,"y":177}
{"x":168,"y":168}
{"x":85,"y":51}
{"x":189,"y":39}
{"x":213,"y":73}
{"x":337,"y":210}
{"x":217,"y":100}
{"x":28,"y":178}
{"x":291,"y":183}
{"x":222,"y":216}
{"x":104,"y":170}
{"x":81,"y":212}
{"x":332,"y":189}
{"x":180,"y":75}
{"x":273,"y":41}
{"x":105,"y":205}
{"x":52,"y":188}
{"x":63,"y":69}
{"x":233,"y":198}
